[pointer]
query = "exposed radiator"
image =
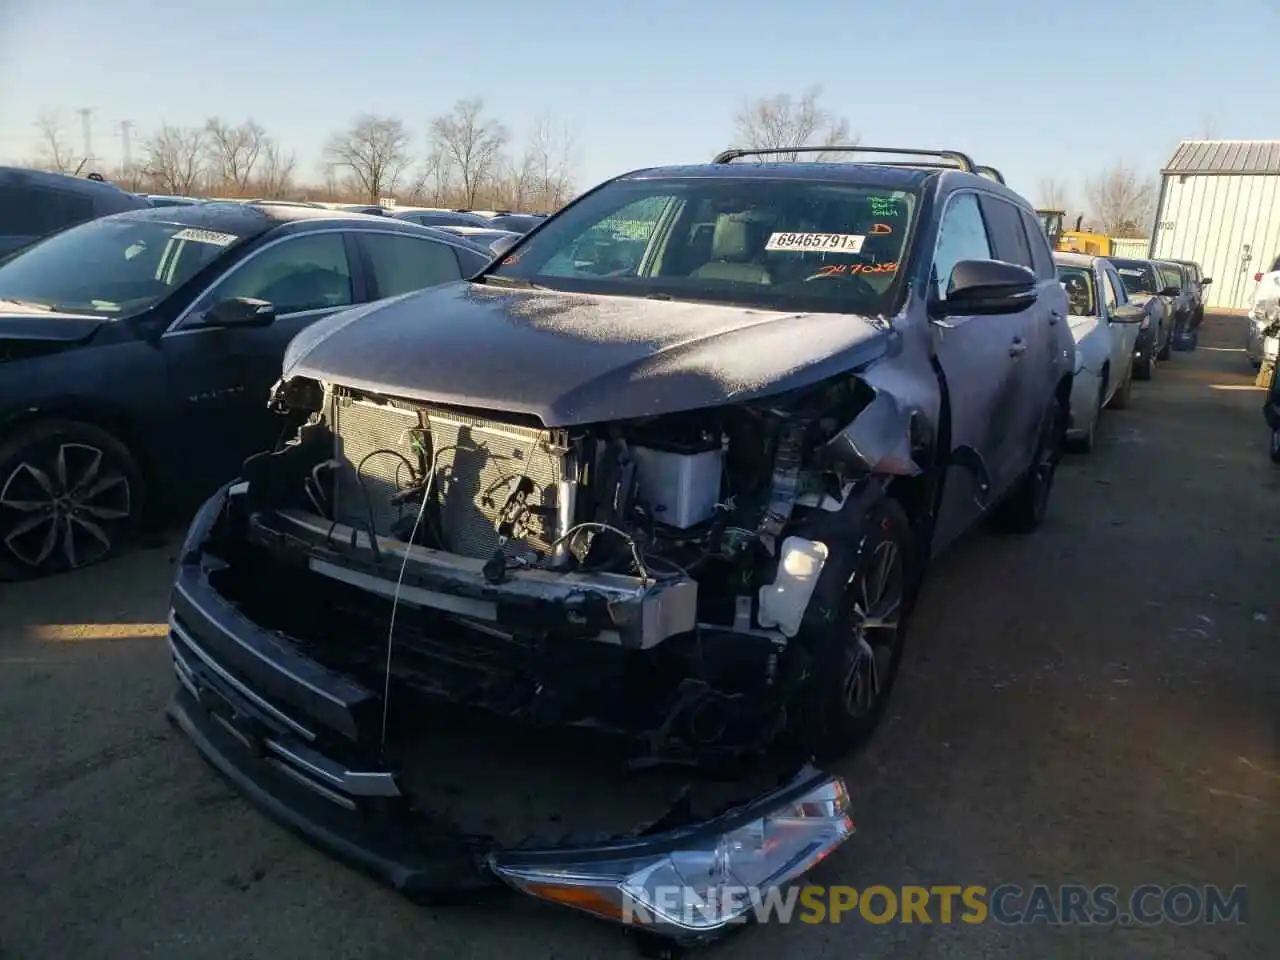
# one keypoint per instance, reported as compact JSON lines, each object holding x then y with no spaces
{"x":478,"y":464}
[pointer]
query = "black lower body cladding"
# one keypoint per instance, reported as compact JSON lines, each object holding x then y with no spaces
{"x":306,"y":744}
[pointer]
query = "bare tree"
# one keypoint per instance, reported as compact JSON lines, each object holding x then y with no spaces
{"x":1054,"y":194}
{"x":548,"y":163}
{"x":275,"y":171}
{"x":175,"y":158}
{"x":783,"y":122}
{"x":373,"y":153}
{"x":55,"y":151}
{"x":1122,"y":202}
{"x":233,"y":152}
{"x":470,"y":145}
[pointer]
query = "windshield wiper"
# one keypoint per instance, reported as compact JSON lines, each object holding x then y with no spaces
{"x":519,"y":283}
{"x":27,"y":305}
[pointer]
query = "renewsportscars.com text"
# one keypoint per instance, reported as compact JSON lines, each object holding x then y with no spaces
{"x":1068,"y":904}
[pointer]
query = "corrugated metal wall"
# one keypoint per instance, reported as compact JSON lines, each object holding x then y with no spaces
{"x":1230,"y":225}
{"x":1138,"y":249}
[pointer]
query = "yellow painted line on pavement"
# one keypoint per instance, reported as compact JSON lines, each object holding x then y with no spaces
{"x":96,"y":631}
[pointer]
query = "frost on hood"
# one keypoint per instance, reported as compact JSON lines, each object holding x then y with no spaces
{"x":776,"y":350}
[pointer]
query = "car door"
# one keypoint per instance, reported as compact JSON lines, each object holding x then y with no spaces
{"x":1123,"y":335}
{"x":1033,"y":344}
{"x":980,"y":359}
{"x":220,"y":379}
{"x":397,"y":263}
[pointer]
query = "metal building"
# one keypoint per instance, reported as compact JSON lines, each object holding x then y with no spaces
{"x":1220,"y":206}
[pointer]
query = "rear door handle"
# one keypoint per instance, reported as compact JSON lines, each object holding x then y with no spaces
{"x":1018,"y":347}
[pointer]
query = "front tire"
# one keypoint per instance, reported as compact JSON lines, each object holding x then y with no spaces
{"x":1086,"y":443}
{"x":70,"y":496}
{"x":855,"y":641}
{"x":1025,"y":509}
{"x":1275,"y":446}
{"x":1121,"y":399}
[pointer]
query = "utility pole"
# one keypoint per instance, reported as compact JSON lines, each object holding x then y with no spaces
{"x":86,"y":125}
{"x":126,"y":152}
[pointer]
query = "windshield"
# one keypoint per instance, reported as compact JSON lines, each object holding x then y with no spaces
{"x":1170,"y":274}
{"x":1137,"y":276}
{"x":781,"y":244}
{"x":110,"y":267}
{"x":1080,"y":292}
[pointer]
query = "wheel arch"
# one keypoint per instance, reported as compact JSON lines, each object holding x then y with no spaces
{"x":107,"y":417}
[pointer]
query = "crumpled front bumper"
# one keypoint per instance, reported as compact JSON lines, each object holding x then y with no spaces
{"x":300,"y":742}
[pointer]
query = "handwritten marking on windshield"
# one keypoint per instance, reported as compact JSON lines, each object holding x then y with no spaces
{"x":845,"y":269}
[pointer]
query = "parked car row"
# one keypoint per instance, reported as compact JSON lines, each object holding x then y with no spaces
{"x":672,"y":468}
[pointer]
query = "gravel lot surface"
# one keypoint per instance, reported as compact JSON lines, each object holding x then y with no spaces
{"x":1099,"y":703}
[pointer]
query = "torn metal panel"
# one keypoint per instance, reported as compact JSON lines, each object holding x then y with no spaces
{"x":880,"y":439}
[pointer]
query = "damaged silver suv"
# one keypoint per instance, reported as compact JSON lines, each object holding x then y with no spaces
{"x":670,"y":469}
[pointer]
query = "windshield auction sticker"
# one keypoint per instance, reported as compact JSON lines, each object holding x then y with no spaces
{"x":206,"y":236}
{"x":816,"y":242}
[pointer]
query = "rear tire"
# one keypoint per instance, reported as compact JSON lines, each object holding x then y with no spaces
{"x":70,"y":496}
{"x":1144,"y":368}
{"x":1025,"y":510}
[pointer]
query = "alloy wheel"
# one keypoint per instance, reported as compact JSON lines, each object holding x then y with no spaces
{"x":65,"y":510}
{"x":874,"y":628}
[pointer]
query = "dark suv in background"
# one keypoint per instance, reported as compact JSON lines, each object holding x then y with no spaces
{"x":34,"y":204}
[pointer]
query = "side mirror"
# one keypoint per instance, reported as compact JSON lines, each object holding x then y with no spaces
{"x":1170,"y":292}
{"x":500,"y":246}
{"x":1206,"y":281}
{"x":986,"y":287}
{"x":240,"y":312}
{"x":1128,"y":313}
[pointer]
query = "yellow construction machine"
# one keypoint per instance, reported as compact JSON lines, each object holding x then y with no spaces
{"x":1075,"y":240}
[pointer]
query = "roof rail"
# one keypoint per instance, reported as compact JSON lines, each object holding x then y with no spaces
{"x":991,"y":173}
{"x":963,"y":160}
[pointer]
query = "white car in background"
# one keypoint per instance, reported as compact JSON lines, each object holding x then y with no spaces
{"x":1105,"y":327}
{"x":1264,"y":313}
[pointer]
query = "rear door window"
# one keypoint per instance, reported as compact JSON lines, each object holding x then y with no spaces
{"x":1008,"y":236}
{"x":1041,"y":255}
{"x":401,"y":264}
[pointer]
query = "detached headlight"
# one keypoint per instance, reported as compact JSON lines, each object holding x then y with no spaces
{"x":702,"y":886}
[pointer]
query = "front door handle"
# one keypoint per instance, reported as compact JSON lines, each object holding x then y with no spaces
{"x":1018,"y":347}
{"x":1054,"y":317}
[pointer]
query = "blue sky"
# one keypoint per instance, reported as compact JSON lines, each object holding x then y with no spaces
{"x":1056,"y":91}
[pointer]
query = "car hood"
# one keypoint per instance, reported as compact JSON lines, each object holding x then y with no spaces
{"x":1081,"y":327}
{"x":569,"y":358}
{"x":52,"y":327}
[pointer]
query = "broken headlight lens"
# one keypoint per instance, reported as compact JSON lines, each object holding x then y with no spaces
{"x":703,"y":886}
